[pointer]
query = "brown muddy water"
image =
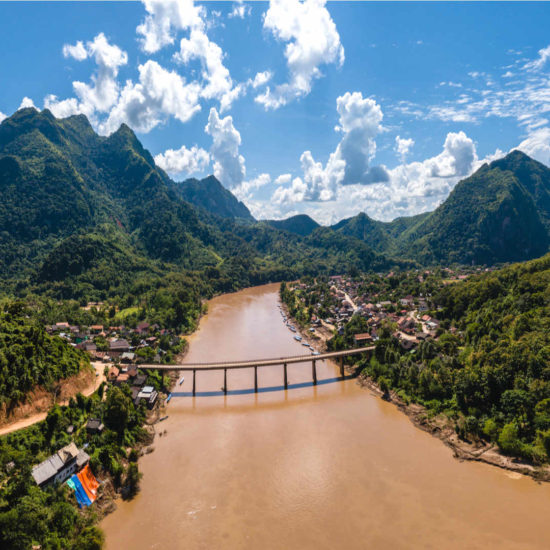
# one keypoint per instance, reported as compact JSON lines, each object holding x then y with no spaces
{"x":327,"y":466}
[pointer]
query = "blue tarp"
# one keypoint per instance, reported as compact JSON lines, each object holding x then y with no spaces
{"x":81,"y":496}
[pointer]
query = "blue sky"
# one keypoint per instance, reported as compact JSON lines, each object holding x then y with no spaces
{"x":297,"y":106}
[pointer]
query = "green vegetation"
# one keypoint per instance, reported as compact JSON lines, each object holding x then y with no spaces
{"x":30,"y":515}
{"x":501,"y":213}
{"x":491,"y":376}
{"x":30,"y":357}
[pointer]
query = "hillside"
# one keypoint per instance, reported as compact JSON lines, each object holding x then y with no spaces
{"x":87,"y":216}
{"x":300,"y":224}
{"x":501,"y":213}
{"x":211,"y":195}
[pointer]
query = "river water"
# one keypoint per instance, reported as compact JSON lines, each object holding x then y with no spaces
{"x":314,"y":467}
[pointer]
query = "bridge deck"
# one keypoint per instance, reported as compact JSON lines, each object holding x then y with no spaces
{"x":259,"y":362}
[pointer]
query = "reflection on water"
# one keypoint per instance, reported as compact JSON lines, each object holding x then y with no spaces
{"x":325,"y":466}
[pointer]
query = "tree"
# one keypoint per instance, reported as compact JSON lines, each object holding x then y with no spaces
{"x":509,"y":441}
{"x":117,"y":410}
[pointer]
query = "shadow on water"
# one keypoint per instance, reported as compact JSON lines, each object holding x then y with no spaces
{"x":266,"y":389}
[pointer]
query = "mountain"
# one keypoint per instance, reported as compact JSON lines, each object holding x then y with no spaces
{"x":89,"y":216}
{"x":211,"y":195}
{"x":300,"y":224}
{"x":498,"y":214}
{"x":501,"y":213}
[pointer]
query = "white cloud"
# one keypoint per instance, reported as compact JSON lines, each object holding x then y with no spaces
{"x":103,"y":92}
{"x":164,"y":18}
{"x":183,"y":161}
{"x":260,"y":79}
{"x":219,"y":84}
{"x":244,"y":190}
{"x":2,"y":116}
{"x":26,"y":102}
{"x":159,"y":93}
{"x":403,"y":147}
{"x":283,"y":179}
{"x":240,"y":9}
{"x":359,"y":122}
{"x":538,"y":64}
{"x":229,"y":165}
{"x":311,"y":40}
{"x":537,"y":145}
{"x":78,"y":51}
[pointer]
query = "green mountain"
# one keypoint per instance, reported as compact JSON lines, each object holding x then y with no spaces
{"x":211,"y":195}
{"x":83,"y":215}
{"x":300,"y":224}
{"x":501,"y":213}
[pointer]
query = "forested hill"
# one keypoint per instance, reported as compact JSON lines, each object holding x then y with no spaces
{"x":501,"y":213}
{"x":300,"y":224}
{"x":211,"y":195}
{"x":30,"y":357}
{"x":83,"y":215}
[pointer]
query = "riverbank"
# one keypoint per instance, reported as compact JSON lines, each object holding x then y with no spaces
{"x":443,"y":429}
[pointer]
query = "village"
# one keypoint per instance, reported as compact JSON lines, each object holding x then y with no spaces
{"x":120,"y":349}
{"x":403,"y":301}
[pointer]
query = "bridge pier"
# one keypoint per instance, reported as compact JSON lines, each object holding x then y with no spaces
{"x":225,"y":381}
{"x":342,"y":372}
{"x":255,"y":379}
{"x":286,"y":377}
{"x":314,"y":372}
{"x":194,"y":386}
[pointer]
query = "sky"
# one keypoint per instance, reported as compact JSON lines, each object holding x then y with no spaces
{"x":297,"y":106}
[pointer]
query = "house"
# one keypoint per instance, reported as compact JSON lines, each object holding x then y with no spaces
{"x":61,"y":465}
{"x":88,"y":346}
{"x":94,"y":426}
{"x":96,"y":329}
{"x":113,"y":374}
{"x":120,"y":345}
{"x":127,"y":357}
{"x":142,"y":328}
{"x":149,"y":395}
{"x":363,"y":339}
{"x":122,"y":378}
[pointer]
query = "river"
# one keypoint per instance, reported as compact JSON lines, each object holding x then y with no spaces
{"x":314,"y":467}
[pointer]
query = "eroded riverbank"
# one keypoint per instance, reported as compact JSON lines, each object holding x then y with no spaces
{"x":324,"y":466}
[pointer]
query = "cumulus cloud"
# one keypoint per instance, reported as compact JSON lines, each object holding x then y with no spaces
{"x":537,"y":145}
{"x":359,"y":122}
{"x":164,"y":18}
{"x":403,"y":147}
{"x":26,"y":102}
{"x":244,"y":191}
{"x":218,"y":82}
{"x":183,"y":161}
{"x":229,"y":165}
{"x":283,"y":179}
{"x":159,"y":93}
{"x":260,"y":79}
{"x":311,"y":40}
{"x":103,"y":92}
{"x":76,"y":51}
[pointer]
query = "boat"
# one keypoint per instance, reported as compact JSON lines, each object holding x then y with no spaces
{"x":163,"y":418}
{"x":297,"y":338}
{"x":168,"y":398}
{"x":315,"y":353}
{"x":305,"y":344}
{"x":180,"y":382}
{"x":292,"y":329}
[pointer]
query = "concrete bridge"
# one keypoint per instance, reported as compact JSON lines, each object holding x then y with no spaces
{"x":256,"y":363}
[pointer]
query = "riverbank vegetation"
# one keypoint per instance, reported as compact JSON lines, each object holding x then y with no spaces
{"x":33,"y":516}
{"x":485,"y":366}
